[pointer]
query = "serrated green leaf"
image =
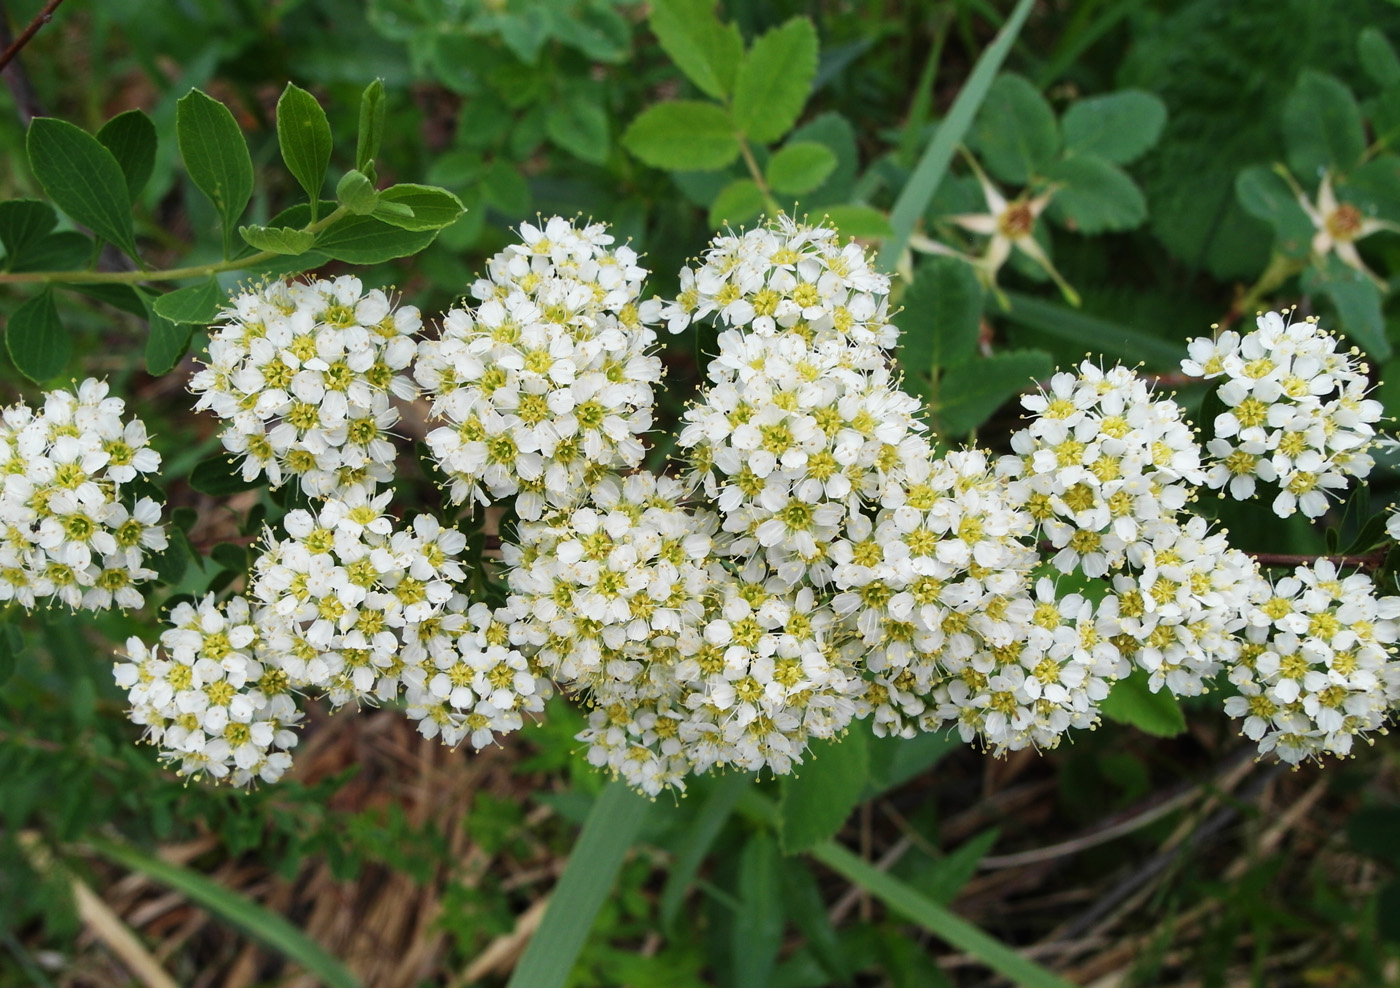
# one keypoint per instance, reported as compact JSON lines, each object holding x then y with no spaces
{"x":1132,"y":702}
{"x":22,"y":222}
{"x":11,"y":645}
{"x":428,"y":207}
{"x":218,"y":476}
{"x":1322,"y":126}
{"x":683,"y":135}
{"x":304,"y":136}
{"x":799,"y":167}
{"x":1094,"y":196}
{"x":82,"y":178}
{"x":197,"y":304}
{"x":968,"y":398}
{"x":579,"y":124}
{"x":1118,"y":127}
{"x":1015,"y":133}
{"x":1265,"y":195}
{"x":278,"y":240}
{"x":940,"y":318}
{"x":863,"y":222}
{"x":757,"y":933}
{"x":707,"y":51}
{"x":1357,"y":300}
{"x":216,"y":157}
{"x":738,"y":202}
{"x":1378,"y":57}
{"x":131,"y":137}
{"x":366,"y":240}
{"x":371,"y":126}
{"x":774,"y":80}
{"x":36,"y":340}
{"x":816,"y":801}
{"x":357,"y":193}
{"x":166,"y":342}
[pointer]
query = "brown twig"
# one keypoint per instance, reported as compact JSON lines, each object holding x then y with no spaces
{"x":40,"y":19}
{"x":1366,"y":561}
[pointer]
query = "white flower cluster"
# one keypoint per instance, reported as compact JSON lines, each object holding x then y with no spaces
{"x":65,"y":532}
{"x":1298,"y":412}
{"x":218,"y":702}
{"x":547,"y":383}
{"x":303,"y":373}
{"x":1318,"y":667}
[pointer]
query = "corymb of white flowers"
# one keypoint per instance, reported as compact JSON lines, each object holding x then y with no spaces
{"x":811,"y":561}
{"x":68,"y":532}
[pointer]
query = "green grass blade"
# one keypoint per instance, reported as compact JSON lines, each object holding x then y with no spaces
{"x":933,"y":165}
{"x":610,"y":829}
{"x":698,"y":841}
{"x":936,"y":919}
{"x":1092,"y":333}
{"x":267,"y":926}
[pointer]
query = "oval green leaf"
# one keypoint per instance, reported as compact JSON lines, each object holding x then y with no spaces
{"x":423,"y":207}
{"x":1322,"y":126}
{"x":738,"y":202}
{"x":37,"y":342}
{"x":278,"y":240}
{"x":1015,"y":133}
{"x":197,"y":305}
{"x":683,"y":135}
{"x":1132,"y":702}
{"x":82,"y":178}
{"x":1094,"y":196}
{"x":371,"y":126}
{"x":304,"y":135}
{"x":800,"y":167}
{"x":774,"y":80}
{"x":356,"y":193}
{"x":216,"y":157}
{"x":131,"y":137}
{"x":1119,"y":127}
{"x":366,"y":240}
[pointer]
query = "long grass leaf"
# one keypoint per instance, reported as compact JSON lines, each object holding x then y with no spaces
{"x":709,"y":821}
{"x":610,"y":829}
{"x":936,"y":919}
{"x":1090,"y":332}
{"x":265,"y":925}
{"x":933,"y":164}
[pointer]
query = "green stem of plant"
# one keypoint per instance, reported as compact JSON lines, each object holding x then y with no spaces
{"x":769,"y":203}
{"x":169,"y":274}
{"x":1280,"y":269}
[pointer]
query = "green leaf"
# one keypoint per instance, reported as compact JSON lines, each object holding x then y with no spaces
{"x":945,"y":877}
{"x":131,"y":137}
{"x":1265,"y":195}
{"x":66,"y":250}
{"x":578,"y":123}
{"x":37,"y":342}
{"x":278,"y":240}
{"x":371,"y":126}
{"x":835,"y":133}
{"x":1322,"y":126}
{"x":968,"y":397}
{"x":608,"y":833}
{"x":774,"y":80}
{"x":1372,"y":829}
{"x":23,"y":222}
{"x":1090,"y":332}
{"x":816,"y":802}
{"x":166,"y":343}
{"x":705,"y":826}
{"x":799,"y":167}
{"x":366,"y":240}
{"x":933,"y":163}
{"x":683,"y":135}
{"x":504,"y":187}
{"x":757,"y":933}
{"x":429,"y":207}
{"x":1132,"y":702}
{"x":267,"y":926}
{"x":802,"y":901}
{"x":1378,"y":57}
{"x":895,"y":760}
{"x":864,"y":222}
{"x":219,"y":476}
{"x":1357,"y":300}
{"x":357,"y":193}
{"x":940,"y":318}
{"x":1015,"y":134}
{"x":118,"y":296}
{"x":216,"y":157}
{"x":1118,"y":127}
{"x":198,"y":304}
{"x":82,"y":178}
{"x":231,"y":556}
{"x":707,"y":51}
{"x":304,"y":135}
{"x":738,"y":202}
{"x":1094,"y":196}
{"x":936,"y":918}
